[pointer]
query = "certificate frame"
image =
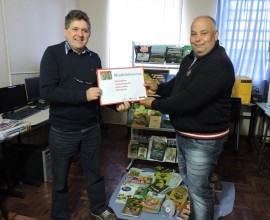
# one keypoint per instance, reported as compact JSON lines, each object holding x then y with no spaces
{"x":121,"y":84}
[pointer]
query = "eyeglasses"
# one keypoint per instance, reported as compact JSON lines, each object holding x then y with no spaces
{"x":93,"y":83}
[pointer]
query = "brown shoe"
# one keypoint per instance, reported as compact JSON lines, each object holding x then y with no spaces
{"x":106,"y":215}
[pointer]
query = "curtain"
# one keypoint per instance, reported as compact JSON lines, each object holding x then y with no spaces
{"x":144,"y":22}
{"x":244,"y":31}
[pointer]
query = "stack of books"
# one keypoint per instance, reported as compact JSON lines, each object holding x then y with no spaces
{"x":10,"y":128}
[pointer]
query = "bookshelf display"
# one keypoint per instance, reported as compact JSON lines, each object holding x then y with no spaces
{"x":150,"y":139}
{"x":148,"y":127}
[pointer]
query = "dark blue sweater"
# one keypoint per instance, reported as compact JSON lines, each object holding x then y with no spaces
{"x":198,"y":98}
{"x":69,"y":108}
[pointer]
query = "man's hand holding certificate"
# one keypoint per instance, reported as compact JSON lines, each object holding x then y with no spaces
{"x":121,"y":85}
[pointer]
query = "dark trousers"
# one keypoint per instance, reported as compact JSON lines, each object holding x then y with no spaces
{"x":63,"y":146}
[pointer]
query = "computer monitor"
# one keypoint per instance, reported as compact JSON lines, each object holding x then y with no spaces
{"x":12,"y":98}
{"x":32,"y":89}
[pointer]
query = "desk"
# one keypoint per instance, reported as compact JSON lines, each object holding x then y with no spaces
{"x":37,"y":119}
{"x":252,"y":122}
{"x":263,"y":151}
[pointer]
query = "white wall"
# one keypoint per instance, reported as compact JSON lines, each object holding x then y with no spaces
{"x":4,"y":70}
{"x":97,"y":11}
{"x":193,"y":9}
{"x":27,"y":28}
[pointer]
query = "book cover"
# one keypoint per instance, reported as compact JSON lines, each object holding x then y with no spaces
{"x":142,"y":151}
{"x":127,"y":190}
{"x":171,"y":142}
{"x":158,"y":53}
{"x":162,"y":169}
{"x":157,"y":147}
{"x":155,"y":122}
{"x":170,"y":155}
{"x":140,"y":118}
{"x":156,"y":75}
{"x":165,"y":121}
{"x":141,"y":192}
{"x":152,"y":202}
{"x":139,"y":176}
{"x":178,"y":195}
{"x":173,"y":55}
{"x":184,"y":212}
{"x":158,"y":186}
{"x":133,"y":207}
{"x":161,"y":182}
{"x":133,"y":148}
{"x":9,"y":128}
{"x":142,"y":53}
{"x":175,"y":180}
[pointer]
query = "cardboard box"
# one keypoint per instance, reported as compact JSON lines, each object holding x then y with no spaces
{"x":242,"y":88}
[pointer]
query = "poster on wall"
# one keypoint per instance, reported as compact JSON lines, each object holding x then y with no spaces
{"x":121,"y":84}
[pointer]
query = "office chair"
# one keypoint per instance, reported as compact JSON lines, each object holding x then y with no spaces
{"x":235,"y":117}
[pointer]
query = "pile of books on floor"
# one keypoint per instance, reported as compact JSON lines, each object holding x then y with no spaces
{"x":144,"y":190}
{"x":157,"y":148}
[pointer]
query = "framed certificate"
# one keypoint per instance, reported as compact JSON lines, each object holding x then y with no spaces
{"x":121,"y":84}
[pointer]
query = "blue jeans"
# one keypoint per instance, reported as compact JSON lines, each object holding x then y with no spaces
{"x":63,"y":146}
{"x":197,"y":160}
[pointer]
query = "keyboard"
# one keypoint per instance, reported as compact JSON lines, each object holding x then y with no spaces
{"x":22,"y":113}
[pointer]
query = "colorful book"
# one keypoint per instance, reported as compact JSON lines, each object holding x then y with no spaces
{"x":158,"y":186}
{"x":157,"y":147}
{"x":142,"y":151}
{"x":152,"y":202}
{"x":170,"y":155}
{"x":140,"y":118}
{"x":9,"y":128}
{"x":156,"y":75}
{"x":158,"y":54}
{"x":175,"y":180}
{"x":139,"y":176}
{"x":155,"y":121}
{"x":184,"y":212}
{"x":133,"y":149}
{"x":141,"y":192}
{"x":142,"y":53}
{"x":178,"y":195}
{"x":127,"y":190}
{"x":133,"y":207}
{"x":173,"y":54}
{"x":163,"y":169}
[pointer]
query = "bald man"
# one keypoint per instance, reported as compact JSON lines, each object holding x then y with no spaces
{"x":198,"y":102}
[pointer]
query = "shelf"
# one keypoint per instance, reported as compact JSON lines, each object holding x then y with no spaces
{"x":155,"y":65}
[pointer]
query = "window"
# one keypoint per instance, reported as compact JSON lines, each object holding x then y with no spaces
{"x":144,"y":22}
{"x":244,"y":31}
